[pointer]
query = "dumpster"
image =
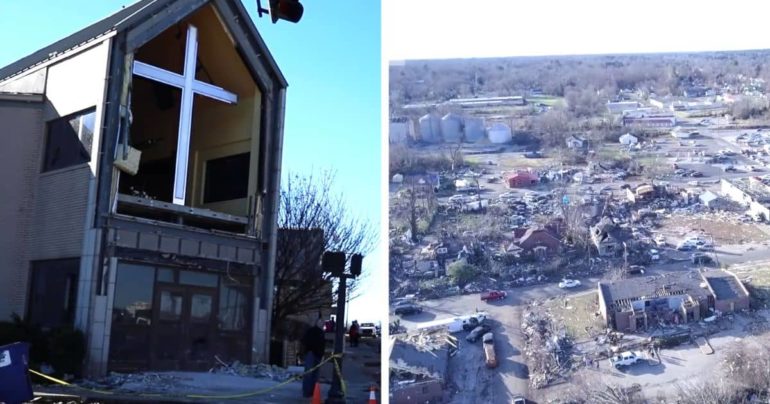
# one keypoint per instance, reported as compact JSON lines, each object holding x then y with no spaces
{"x":15,"y":386}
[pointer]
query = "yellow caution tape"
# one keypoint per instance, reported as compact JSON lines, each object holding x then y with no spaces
{"x":219,"y":397}
{"x":342,"y":381}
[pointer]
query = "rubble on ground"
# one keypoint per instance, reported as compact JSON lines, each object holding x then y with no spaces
{"x":548,"y":352}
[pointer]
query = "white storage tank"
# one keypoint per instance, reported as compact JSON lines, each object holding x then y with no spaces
{"x":474,"y":129}
{"x":401,"y":130}
{"x":499,"y":133}
{"x":430,"y":128}
{"x":452,"y":128}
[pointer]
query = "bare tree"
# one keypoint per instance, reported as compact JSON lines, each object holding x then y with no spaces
{"x":750,"y":366}
{"x":709,"y":392}
{"x":455,"y":154}
{"x":312,"y":219}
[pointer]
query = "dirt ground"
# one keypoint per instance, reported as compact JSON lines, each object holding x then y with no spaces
{"x":723,"y":231}
{"x":577,"y":314}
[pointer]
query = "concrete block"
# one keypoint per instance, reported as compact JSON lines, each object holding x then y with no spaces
{"x":208,"y":250}
{"x":149,"y":241}
{"x":190,"y":248}
{"x":126,"y":238}
{"x":97,"y":335}
{"x":169,"y":244}
{"x":245,"y":255}
{"x":227,"y":252}
{"x":100,"y":308}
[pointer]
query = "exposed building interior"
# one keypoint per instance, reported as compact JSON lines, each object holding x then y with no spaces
{"x":221,"y":175}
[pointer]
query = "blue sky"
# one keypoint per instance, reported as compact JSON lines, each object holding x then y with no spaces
{"x":331,"y":60}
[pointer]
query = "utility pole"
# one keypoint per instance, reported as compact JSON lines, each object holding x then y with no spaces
{"x":334,"y":262}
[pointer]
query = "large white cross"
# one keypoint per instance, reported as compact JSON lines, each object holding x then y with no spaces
{"x":190,"y":87}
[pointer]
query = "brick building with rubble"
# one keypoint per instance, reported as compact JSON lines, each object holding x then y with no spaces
{"x":680,"y":297}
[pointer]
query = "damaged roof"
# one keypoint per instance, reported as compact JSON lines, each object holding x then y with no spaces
{"x":617,"y":293}
{"x":427,"y":361}
{"x":725,"y":285}
{"x":126,"y":18}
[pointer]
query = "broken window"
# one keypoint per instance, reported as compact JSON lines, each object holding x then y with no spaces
{"x":234,"y":295}
{"x":225,"y":180}
{"x":53,"y":292}
{"x":196,"y":124}
{"x":69,"y":139}
{"x":133,"y":294}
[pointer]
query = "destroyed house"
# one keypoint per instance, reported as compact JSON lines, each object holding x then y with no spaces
{"x":753,"y":193}
{"x":148,"y":152}
{"x":679,"y":297}
{"x":729,"y":293}
{"x":607,"y":237}
{"x":637,"y":303}
{"x":419,"y":368}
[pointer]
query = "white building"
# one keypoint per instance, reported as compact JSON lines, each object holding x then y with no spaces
{"x":628,"y":139}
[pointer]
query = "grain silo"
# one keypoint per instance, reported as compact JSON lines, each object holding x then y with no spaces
{"x":499,"y":133}
{"x":430,"y":129}
{"x":401,"y":130}
{"x":452,"y":128}
{"x":474,"y":129}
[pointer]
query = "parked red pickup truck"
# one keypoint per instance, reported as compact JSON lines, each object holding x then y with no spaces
{"x":493,"y":295}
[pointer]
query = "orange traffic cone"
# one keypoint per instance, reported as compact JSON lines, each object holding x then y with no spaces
{"x":316,"y":394}
{"x":372,"y":396}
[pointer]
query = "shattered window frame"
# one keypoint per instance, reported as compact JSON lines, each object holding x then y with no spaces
{"x":69,"y":140}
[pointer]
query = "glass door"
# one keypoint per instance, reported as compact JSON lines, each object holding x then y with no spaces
{"x":184,"y":332}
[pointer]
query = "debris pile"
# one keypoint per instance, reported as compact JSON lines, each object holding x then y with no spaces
{"x":146,"y":382}
{"x":259,"y":370}
{"x":548,"y":353}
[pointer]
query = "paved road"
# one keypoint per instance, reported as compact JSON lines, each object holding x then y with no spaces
{"x":506,"y":315}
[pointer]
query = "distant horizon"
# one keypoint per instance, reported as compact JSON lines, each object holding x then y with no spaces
{"x":575,"y":55}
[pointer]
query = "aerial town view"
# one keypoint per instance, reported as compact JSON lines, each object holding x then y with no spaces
{"x":580,"y":229}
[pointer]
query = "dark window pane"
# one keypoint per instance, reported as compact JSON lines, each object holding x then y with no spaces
{"x":53,"y":292}
{"x":233,"y":304}
{"x":133,"y":294}
{"x":69,"y":140}
{"x":166,"y":275}
{"x":198,"y":279}
{"x":227,"y":178}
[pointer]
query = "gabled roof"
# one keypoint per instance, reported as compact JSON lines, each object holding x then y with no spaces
{"x":534,"y":231}
{"x":123,"y":20}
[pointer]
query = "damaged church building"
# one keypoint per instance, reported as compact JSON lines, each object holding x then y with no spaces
{"x":143,"y":158}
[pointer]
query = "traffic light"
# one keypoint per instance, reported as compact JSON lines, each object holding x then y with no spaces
{"x":333,"y":262}
{"x":289,"y":10}
{"x":355,"y":264}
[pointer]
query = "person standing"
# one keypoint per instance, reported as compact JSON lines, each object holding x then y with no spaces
{"x":353,"y":334}
{"x":314,"y":346}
